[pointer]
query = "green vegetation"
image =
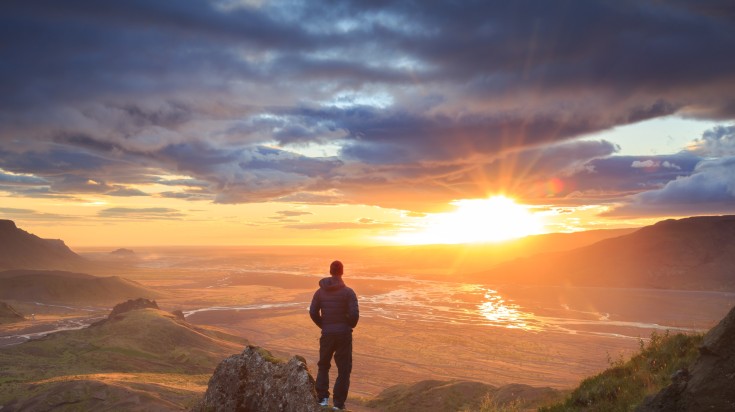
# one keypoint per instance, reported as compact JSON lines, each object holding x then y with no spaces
{"x":267,"y":355}
{"x":625,"y":384}
{"x":165,"y":362}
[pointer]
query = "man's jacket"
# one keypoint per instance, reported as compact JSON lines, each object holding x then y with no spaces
{"x":334,"y":307}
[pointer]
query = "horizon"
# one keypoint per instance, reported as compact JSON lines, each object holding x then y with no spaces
{"x":244,"y":123}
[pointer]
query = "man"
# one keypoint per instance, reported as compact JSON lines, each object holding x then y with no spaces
{"x":334,"y":309}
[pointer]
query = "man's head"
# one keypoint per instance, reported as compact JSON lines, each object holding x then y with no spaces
{"x":336,"y":268}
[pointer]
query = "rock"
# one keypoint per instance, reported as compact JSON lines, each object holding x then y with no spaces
{"x":140,"y":303}
{"x":179,"y":315}
{"x":708,"y":384}
{"x":256,"y":381}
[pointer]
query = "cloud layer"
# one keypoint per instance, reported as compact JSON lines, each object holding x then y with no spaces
{"x":407,"y":104}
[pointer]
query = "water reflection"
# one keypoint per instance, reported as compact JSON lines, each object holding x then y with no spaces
{"x":501,"y":313}
{"x":473,"y":304}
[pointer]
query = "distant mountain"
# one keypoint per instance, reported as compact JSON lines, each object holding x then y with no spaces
{"x":8,"y":314}
{"x":123,"y":253}
{"x":22,"y":250}
{"x":68,"y":287}
{"x":696,"y":253}
{"x":467,"y":258}
{"x":141,"y":359}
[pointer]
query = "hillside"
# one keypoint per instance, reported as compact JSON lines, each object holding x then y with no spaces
{"x":142,"y":359}
{"x":672,"y":373}
{"x":68,"y":287}
{"x":22,"y":250}
{"x":696,"y":253}
{"x":8,"y":314}
{"x":443,"y":396}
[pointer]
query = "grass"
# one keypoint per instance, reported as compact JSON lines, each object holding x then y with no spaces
{"x":148,"y":351}
{"x":625,"y":384}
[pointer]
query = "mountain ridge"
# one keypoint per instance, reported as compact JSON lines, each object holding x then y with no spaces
{"x":24,"y":250}
{"x":695,"y":253}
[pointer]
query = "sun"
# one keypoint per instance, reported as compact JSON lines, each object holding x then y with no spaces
{"x":494,"y":219}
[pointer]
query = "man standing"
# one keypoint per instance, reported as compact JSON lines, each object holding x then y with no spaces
{"x":334,"y":309}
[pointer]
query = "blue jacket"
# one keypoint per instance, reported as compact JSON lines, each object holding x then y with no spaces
{"x":334,"y":307}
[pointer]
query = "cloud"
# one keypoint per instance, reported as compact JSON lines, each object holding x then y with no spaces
{"x":717,"y":142}
{"x":16,"y":211}
{"x":446,"y":100}
{"x":710,"y":189}
{"x":360,"y":225}
{"x":149,"y":213}
{"x":291,"y":213}
{"x":34,"y":215}
{"x":126,"y":191}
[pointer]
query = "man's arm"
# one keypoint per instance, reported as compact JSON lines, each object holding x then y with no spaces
{"x":315,"y":309}
{"x":353,"y":310}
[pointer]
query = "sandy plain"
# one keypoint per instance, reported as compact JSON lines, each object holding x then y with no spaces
{"x":414,"y":326}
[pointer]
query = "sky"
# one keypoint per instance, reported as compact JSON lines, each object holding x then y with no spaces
{"x":228,"y":122}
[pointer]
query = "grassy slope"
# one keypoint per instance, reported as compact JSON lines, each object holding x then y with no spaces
{"x":69,"y":287}
{"x":624,"y":385}
{"x":148,"y":356}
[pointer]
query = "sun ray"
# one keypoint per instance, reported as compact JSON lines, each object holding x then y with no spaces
{"x":494,"y":219}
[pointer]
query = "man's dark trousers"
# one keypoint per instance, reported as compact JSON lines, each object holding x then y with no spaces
{"x":339,"y":346}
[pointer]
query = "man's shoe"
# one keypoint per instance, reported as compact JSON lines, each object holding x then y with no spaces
{"x":324,"y":402}
{"x":337,"y":408}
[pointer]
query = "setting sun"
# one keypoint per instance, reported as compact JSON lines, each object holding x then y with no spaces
{"x":494,"y":219}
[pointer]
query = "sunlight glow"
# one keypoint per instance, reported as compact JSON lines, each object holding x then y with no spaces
{"x":494,"y":219}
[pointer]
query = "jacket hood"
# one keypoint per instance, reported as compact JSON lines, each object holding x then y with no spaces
{"x":331,"y":283}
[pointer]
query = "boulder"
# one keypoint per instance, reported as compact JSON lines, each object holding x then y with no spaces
{"x":256,"y":381}
{"x":708,"y":384}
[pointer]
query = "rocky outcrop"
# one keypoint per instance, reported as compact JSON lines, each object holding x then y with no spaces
{"x":178,"y":314}
{"x":708,"y":384}
{"x":132,"y":304}
{"x":256,"y":381}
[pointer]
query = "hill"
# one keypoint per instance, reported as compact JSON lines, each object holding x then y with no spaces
{"x":8,"y":314}
{"x":142,"y":359}
{"x":673,"y":373}
{"x":696,"y":253}
{"x":468,"y":258}
{"x":22,"y":250}
{"x":443,"y":396}
{"x":68,"y":287}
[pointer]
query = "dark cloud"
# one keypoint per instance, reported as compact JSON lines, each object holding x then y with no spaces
{"x":427,"y":101}
{"x":188,"y":195}
{"x":149,"y":213}
{"x":34,"y":215}
{"x":126,"y":191}
{"x":15,"y":211}
{"x":361,"y":225}
{"x":292,"y":213}
{"x":21,"y":180}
